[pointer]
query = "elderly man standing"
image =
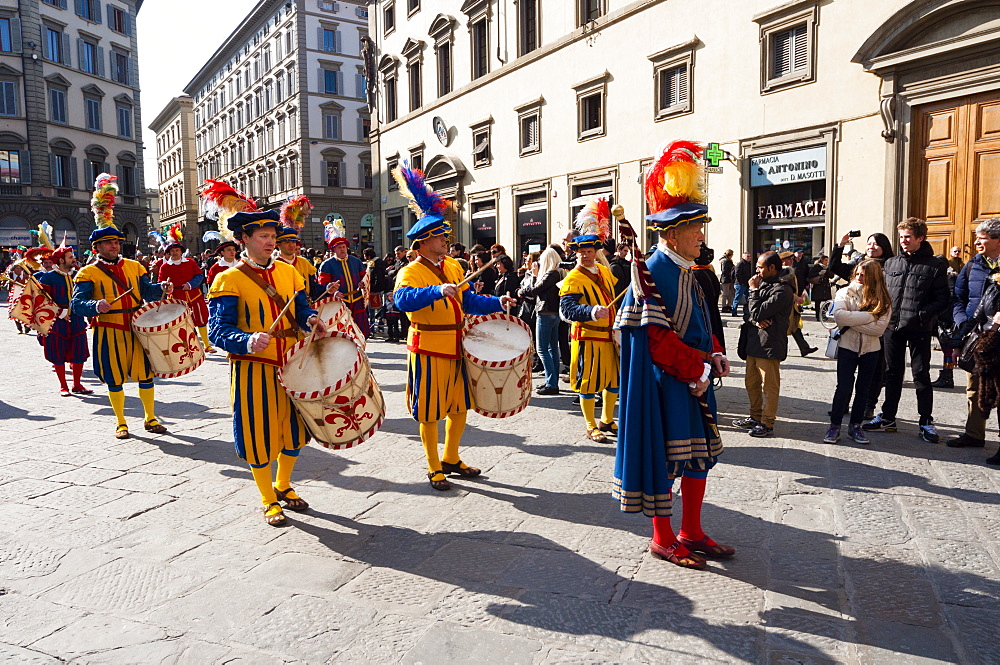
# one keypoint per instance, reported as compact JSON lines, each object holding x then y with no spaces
{"x":969,"y":288}
{"x":668,"y":412}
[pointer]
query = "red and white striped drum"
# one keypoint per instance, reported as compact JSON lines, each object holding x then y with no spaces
{"x":497,"y":350}
{"x":329,"y":380}
{"x":336,"y":315}
{"x":166,"y":333}
{"x":30,"y":305}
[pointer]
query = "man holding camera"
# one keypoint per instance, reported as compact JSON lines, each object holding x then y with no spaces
{"x":918,"y":285}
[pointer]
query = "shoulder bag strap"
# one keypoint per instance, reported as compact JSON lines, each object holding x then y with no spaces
{"x":268,"y":290}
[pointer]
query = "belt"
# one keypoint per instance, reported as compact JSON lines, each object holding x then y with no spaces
{"x":120,"y":311}
{"x":285,"y":332}
{"x":591,"y":326}
{"x":421,"y":327}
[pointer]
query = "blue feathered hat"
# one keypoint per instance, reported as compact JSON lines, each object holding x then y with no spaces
{"x":287,"y":233}
{"x":248,"y":222}
{"x":107,"y":233}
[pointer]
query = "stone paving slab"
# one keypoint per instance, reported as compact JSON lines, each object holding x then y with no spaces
{"x":153,"y":549}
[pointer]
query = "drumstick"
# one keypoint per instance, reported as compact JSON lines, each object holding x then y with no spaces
{"x":476,"y":274}
{"x":305,"y":346}
{"x":280,"y":314}
{"x":121,"y":296}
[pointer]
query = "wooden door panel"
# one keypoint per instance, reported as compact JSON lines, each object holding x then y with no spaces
{"x":985,"y":184}
{"x":941,"y":240}
{"x":941,"y":129}
{"x":938,"y":189}
{"x":987,"y":121}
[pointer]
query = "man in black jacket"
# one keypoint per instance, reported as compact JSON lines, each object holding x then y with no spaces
{"x":770,"y":307}
{"x":918,"y":286}
{"x":743,"y":272}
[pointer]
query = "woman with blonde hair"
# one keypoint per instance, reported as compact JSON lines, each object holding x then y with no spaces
{"x":862,"y":311}
{"x":546,"y":294}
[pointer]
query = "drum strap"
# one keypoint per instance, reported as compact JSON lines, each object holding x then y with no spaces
{"x":597,"y":279}
{"x":269,"y":291}
{"x":433,"y":268}
{"x":424,"y":327}
{"x":122,"y":286}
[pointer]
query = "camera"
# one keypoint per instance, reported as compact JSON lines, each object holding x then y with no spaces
{"x":854,"y":233}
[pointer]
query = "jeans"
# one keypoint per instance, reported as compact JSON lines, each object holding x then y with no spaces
{"x":919,"y":342}
{"x":847,"y":363}
{"x":878,"y":380}
{"x":741,"y":298}
{"x":547,"y":344}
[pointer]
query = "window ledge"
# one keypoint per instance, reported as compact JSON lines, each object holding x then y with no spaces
{"x":786,"y":82}
{"x":673,"y":111}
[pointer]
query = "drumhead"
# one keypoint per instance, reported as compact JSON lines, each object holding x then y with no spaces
{"x":328,"y":361}
{"x":159,"y":316}
{"x":328,"y":308}
{"x":496,"y":340}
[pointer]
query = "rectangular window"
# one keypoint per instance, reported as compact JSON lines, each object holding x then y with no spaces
{"x":88,"y":56}
{"x":124,"y":122}
{"x":416,"y":94}
{"x":366,"y":176}
{"x":10,"y":167}
{"x":6,"y":35}
{"x":444,"y":68}
{"x":93,"y":112}
{"x":590,"y":10}
{"x":389,"y":17}
{"x":361,"y":86}
{"x":120,"y":68}
{"x":364,"y":128}
{"x":528,"y":15}
{"x":390,"y":99}
{"x":62,"y":174}
{"x":480,"y":49}
{"x":591,"y":110}
{"x":53,"y":45}
{"x":119,"y":20}
{"x":57,"y":105}
{"x":789,"y":51}
{"x":481,"y":147}
{"x":331,"y":126}
{"x":530,"y":134}
{"x":8,"y":98}
{"x":390,"y":166}
{"x":126,"y":179}
{"x":673,"y":83}
{"x":329,"y":40}
{"x":333,"y":170}
{"x":330,"y":81}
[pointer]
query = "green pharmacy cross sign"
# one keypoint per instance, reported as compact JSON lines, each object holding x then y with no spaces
{"x":714,"y":155}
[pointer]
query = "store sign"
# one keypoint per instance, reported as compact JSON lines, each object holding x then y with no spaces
{"x":792,"y":210}
{"x":532,"y":221}
{"x":15,"y":237}
{"x":368,"y":221}
{"x":484,"y":226}
{"x":788,"y":167}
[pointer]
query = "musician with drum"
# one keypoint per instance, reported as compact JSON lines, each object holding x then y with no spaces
{"x":432,"y":292}
{"x":258,"y":311}
{"x":109,"y":291}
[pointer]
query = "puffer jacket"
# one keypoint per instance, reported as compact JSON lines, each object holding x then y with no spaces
{"x":771,"y":302}
{"x":969,"y":287}
{"x":546,"y":292}
{"x":918,"y":286}
{"x":863,"y":329}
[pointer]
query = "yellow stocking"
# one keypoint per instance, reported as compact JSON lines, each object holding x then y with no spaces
{"x":587,"y":404}
{"x":262,"y":477}
{"x":117,"y":398}
{"x":429,"y":437}
{"x":608,"y":412}
{"x":453,"y":428}
{"x":148,"y":408}
{"x":285,"y":465}
{"x":203,"y":331}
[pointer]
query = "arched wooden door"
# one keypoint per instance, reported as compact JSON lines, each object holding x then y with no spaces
{"x":956,"y":168}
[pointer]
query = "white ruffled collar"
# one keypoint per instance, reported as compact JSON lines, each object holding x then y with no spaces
{"x":674,"y":256}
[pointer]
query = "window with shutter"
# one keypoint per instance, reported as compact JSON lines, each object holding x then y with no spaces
{"x":8,"y":98}
{"x":530,"y":125}
{"x":787,"y":56}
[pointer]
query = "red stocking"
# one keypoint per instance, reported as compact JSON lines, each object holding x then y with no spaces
{"x":77,"y":375}
{"x":693,"y":491}
{"x":60,"y":371}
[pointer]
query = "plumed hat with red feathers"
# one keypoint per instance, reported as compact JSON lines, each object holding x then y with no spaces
{"x":675,"y":187}
{"x":594,"y":224}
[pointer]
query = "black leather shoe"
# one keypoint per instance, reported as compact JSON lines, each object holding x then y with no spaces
{"x":813,"y":349}
{"x":965,"y":441}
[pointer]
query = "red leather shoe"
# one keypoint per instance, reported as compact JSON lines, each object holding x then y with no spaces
{"x":707,"y":546}
{"x":690,"y":560}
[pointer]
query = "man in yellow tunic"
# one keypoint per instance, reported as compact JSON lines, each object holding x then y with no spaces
{"x":585,"y":299}
{"x":427,"y":290}
{"x":244,"y":302}
{"x":109,"y":291}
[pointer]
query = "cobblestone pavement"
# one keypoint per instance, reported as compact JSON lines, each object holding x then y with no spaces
{"x":153,"y":550}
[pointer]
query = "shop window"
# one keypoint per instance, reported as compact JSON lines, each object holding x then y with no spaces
{"x":787,"y":47}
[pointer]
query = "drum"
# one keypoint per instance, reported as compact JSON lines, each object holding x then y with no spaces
{"x":337,"y":315}
{"x":167,"y":335}
{"x":497,"y":351}
{"x":30,"y":305}
{"x":331,"y":384}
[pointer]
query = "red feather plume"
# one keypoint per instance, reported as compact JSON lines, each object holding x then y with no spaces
{"x":678,"y":152}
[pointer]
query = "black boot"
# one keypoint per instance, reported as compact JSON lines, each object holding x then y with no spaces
{"x":946,"y":379}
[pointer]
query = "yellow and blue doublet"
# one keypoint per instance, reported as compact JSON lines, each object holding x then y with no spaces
{"x":118,"y":356}
{"x":437,"y":385}
{"x":593,"y":351}
{"x":265,"y":422}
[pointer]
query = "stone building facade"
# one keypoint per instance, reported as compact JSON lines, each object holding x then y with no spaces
{"x":175,"y":169}
{"x":280,"y":110}
{"x":69,"y":110}
{"x":827,"y":116}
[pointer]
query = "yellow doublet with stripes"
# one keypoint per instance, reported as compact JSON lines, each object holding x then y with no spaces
{"x":437,"y":385}
{"x":593,"y":351}
{"x":265,"y":422}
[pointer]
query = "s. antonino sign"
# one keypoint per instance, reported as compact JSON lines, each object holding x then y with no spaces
{"x":782,"y":168}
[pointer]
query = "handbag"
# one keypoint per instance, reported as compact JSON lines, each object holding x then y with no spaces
{"x":967,"y":358}
{"x":741,"y":343}
{"x":833,"y":343}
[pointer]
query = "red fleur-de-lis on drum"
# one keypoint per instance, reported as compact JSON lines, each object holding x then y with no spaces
{"x":187,"y":346}
{"x":345,"y":414}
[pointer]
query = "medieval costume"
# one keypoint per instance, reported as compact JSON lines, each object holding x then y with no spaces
{"x":667,"y":354}
{"x":221,"y":265}
{"x":186,"y":276}
{"x":66,"y":341}
{"x":123,"y":285}
{"x":587,"y":289}
{"x":349,"y":271}
{"x":244,"y":303}
{"x":437,"y":385}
